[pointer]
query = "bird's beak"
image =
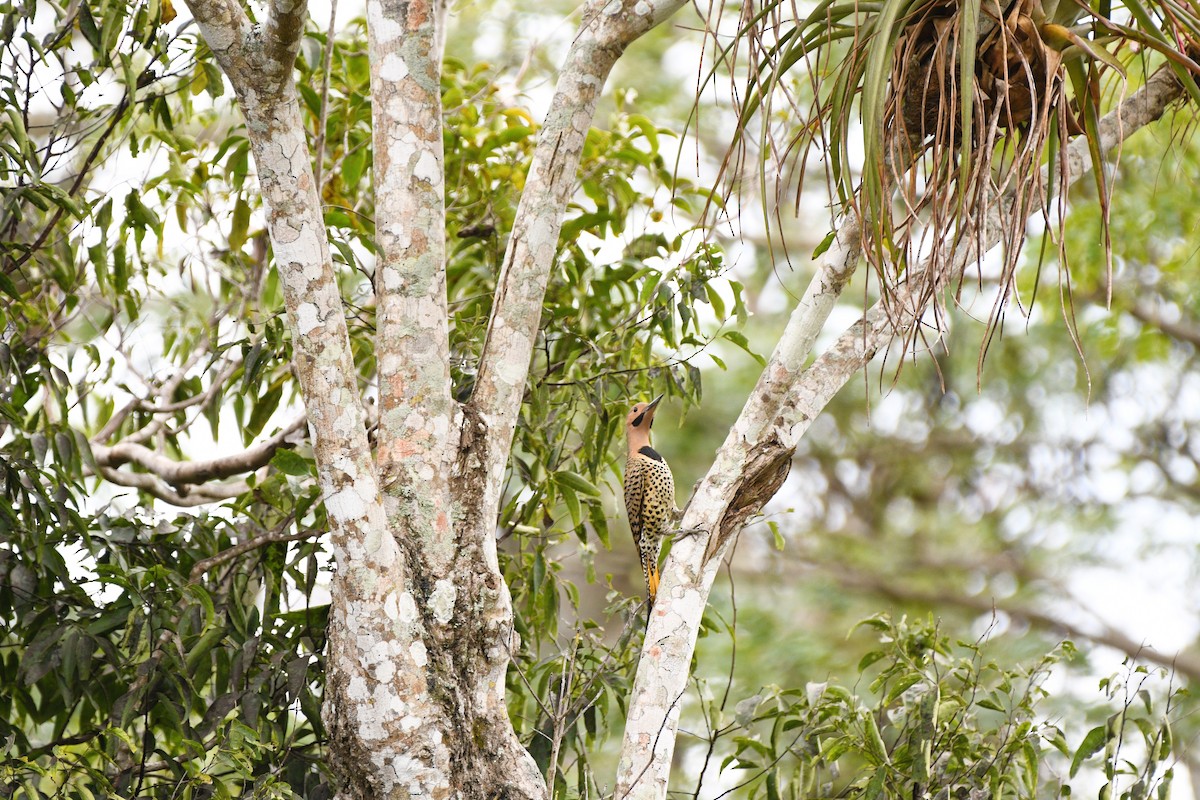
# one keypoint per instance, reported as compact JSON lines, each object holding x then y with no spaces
{"x":649,"y":412}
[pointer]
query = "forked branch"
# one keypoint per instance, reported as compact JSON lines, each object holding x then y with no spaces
{"x":261,"y":74}
{"x":184,"y":496}
{"x":687,"y":578}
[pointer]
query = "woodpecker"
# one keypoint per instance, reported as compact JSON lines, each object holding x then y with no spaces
{"x":649,"y":492}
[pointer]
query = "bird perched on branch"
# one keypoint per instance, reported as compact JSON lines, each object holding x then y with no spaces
{"x":649,"y":492}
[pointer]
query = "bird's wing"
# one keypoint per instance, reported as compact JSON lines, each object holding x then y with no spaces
{"x":635,"y":494}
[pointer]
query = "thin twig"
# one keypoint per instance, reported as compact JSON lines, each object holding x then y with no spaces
{"x":564,"y":695}
{"x":273,"y":537}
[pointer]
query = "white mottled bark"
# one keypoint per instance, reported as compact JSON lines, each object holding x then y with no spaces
{"x":410,"y":273}
{"x":259,"y":65}
{"x":377,"y":690}
{"x":421,"y":624}
{"x":754,"y":460}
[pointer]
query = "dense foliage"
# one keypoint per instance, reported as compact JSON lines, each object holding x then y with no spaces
{"x":932,"y":717}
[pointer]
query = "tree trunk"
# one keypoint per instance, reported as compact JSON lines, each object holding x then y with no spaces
{"x":421,"y":627}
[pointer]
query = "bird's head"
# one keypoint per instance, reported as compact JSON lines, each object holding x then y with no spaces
{"x":639,"y":421}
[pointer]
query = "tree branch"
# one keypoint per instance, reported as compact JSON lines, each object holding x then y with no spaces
{"x":229,"y":554}
{"x":281,"y":38}
{"x":834,"y":269}
{"x":322,"y":358}
{"x":215,"y":385}
{"x":607,"y":28}
{"x":384,"y":690}
{"x":1181,"y":331}
{"x":115,"y":421}
{"x":733,"y":491}
{"x":181,"y":473}
{"x":143,"y":404}
{"x":184,"y":496}
{"x":323,"y":117}
{"x":901,"y":591}
{"x":224,"y":25}
{"x":413,"y":344}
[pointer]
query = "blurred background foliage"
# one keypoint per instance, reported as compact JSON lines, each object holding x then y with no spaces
{"x":975,"y":513}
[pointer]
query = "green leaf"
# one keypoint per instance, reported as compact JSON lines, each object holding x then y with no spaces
{"x":263,"y":409}
{"x":8,"y":287}
{"x":1092,"y":743}
{"x":214,"y":80}
{"x":779,"y":540}
{"x":879,"y":622}
{"x":353,"y":166}
{"x":901,"y":685}
{"x":869,"y":658}
{"x":539,"y":571}
{"x":825,"y":244}
{"x":203,"y":646}
{"x":87,"y":26}
{"x":577,"y":482}
{"x":289,"y":463}
{"x":572,"y":501}
{"x":239,"y":224}
{"x":600,"y":524}
{"x":874,"y":788}
{"x":739,"y":338}
{"x":875,"y":746}
{"x":714,"y":299}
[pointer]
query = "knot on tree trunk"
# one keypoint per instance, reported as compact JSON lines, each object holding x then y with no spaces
{"x":766,"y":471}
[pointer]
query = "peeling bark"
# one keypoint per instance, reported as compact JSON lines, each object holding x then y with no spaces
{"x":777,"y":414}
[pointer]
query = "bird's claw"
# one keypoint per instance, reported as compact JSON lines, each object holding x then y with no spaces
{"x":687,"y":533}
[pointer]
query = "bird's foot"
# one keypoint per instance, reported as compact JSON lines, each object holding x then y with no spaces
{"x":687,"y":533}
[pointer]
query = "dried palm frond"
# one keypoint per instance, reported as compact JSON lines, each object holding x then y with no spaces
{"x":959,"y":104}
